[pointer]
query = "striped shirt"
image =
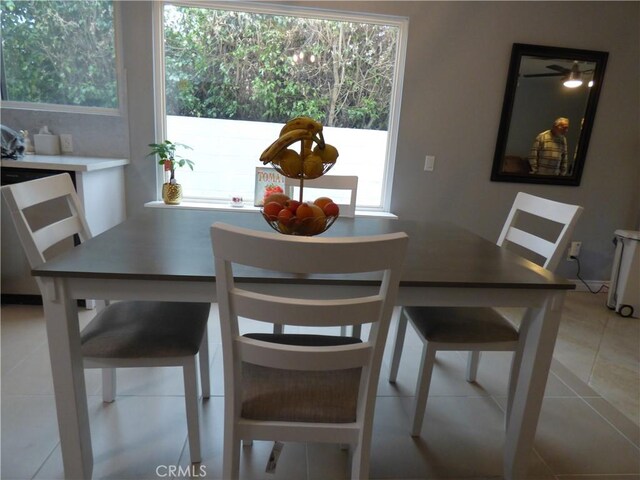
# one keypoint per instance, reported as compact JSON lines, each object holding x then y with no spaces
{"x":549,"y":154}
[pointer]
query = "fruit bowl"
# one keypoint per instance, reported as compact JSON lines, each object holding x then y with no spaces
{"x":307,"y":176}
{"x":308,"y":226}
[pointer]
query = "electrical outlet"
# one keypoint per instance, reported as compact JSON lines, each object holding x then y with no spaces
{"x":429,"y":162}
{"x":574,"y":250}
{"x":66,"y":143}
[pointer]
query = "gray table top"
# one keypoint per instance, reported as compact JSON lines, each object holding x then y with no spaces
{"x":174,"y":244}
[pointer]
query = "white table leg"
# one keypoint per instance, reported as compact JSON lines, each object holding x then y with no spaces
{"x":63,"y":334}
{"x":537,"y":339}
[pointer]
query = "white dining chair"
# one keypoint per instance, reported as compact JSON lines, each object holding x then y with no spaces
{"x":485,"y":329}
{"x":46,"y":213}
{"x":293,"y":386}
{"x":336,"y":183}
{"x":347,"y":184}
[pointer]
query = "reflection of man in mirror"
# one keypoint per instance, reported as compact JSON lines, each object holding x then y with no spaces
{"x":549,"y":151}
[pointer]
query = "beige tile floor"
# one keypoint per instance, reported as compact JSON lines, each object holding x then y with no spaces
{"x":588,"y":427}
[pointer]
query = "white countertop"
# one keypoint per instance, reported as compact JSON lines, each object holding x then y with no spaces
{"x":64,"y":162}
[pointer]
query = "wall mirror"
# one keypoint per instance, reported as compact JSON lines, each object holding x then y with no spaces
{"x":547,"y":86}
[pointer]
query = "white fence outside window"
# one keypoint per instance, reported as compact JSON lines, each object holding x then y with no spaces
{"x":226,"y":153}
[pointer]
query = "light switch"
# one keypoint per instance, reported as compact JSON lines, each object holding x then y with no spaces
{"x":429,"y":163}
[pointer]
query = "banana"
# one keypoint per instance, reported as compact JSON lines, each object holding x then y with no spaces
{"x":283,"y":142}
{"x":304,"y":123}
{"x":306,"y":148}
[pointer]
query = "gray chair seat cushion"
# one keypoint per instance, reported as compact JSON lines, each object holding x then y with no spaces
{"x":300,"y":396}
{"x":461,"y":324}
{"x":135,"y":329}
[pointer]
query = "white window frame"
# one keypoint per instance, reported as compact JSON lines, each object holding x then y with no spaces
{"x":58,"y":108}
{"x":396,"y":95}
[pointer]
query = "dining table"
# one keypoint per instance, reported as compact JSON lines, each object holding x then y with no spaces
{"x":165,"y":254}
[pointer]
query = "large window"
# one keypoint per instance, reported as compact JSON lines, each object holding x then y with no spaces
{"x":232,"y":78}
{"x":59,"y":54}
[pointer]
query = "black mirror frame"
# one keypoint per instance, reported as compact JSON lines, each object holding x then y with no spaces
{"x":518,"y":51}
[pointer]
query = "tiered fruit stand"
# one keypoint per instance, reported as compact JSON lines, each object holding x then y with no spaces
{"x":312,"y":162}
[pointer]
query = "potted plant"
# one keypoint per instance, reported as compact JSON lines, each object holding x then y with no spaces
{"x":166,"y":152}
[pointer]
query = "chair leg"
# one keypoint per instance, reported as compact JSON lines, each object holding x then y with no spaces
{"x":360,"y":460}
{"x":230,"y":453}
{"x":399,"y":342}
{"x":356,"y":331}
{"x":472,"y":365}
{"x":108,"y":385}
{"x":203,"y":357}
{"x":422,"y":388}
{"x":191,"y":403}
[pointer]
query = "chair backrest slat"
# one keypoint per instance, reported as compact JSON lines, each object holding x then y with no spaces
{"x":561,"y":213}
{"x":290,"y":357}
{"x":31,"y":193}
{"x":531,"y":242}
{"x":325,"y":313}
{"x":56,"y":232}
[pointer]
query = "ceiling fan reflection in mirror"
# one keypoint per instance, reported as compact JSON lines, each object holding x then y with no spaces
{"x":573,"y":77}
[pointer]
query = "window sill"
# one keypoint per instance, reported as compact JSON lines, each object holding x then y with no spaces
{"x":246,"y":208}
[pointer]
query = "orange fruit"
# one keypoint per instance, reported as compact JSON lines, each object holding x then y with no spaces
{"x":322,"y":201}
{"x":285,"y":216}
{"x":280,"y":198}
{"x":304,"y":210}
{"x":316,"y":224}
{"x":292,"y":205}
{"x":331,"y":210}
{"x":272,"y":209}
{"x":317,"y":211}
